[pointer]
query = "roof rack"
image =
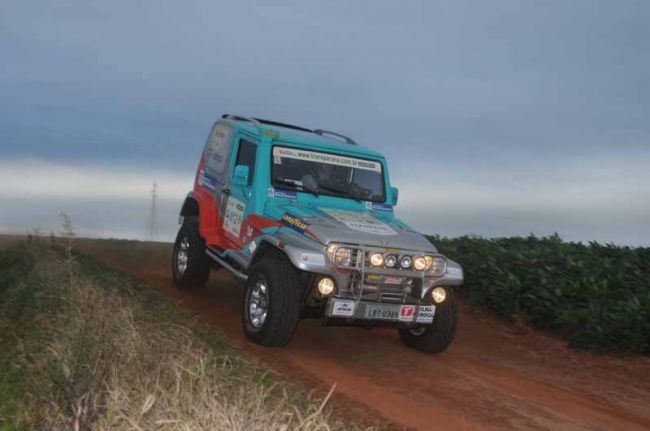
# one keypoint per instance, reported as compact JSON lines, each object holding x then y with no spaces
{"x":287,"y":125}
{"x":239,"y":118}
{"x":321,"y":132}
{"x":258,"y":121}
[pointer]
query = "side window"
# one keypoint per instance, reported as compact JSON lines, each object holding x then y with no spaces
{"x":217,"y":151}
{"x":246,"y":157}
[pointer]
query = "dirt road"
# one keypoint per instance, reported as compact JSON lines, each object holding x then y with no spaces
{"x":491,"y":377}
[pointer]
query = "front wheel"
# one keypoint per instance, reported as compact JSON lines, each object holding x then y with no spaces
{"x":190,"y":264}
{"x":272,"y":301}
{"x":438,"y":336}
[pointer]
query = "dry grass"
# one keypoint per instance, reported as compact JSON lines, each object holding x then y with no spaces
{"x":104,"y":356}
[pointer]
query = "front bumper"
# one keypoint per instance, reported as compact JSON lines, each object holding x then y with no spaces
{"x":359,"y":312}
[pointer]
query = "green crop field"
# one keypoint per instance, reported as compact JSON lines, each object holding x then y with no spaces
{"x":596,"y":296}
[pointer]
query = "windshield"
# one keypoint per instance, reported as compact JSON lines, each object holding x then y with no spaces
{"x":327,"y":174}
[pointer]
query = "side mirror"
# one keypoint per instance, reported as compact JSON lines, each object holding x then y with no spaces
{"x":394,"y":194}
{"x":240,"y":177}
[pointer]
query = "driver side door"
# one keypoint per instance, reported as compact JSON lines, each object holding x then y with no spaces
{"x":237,"y":196}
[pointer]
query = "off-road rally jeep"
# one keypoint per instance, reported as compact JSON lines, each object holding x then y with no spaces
{"x":305,"y":218}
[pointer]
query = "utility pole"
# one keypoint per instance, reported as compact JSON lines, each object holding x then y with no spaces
{"x":152,"y":213}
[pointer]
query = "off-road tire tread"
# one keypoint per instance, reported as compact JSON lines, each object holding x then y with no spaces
{"x":439,"y":335}
{"x":197,"y":272}
{"x":284,"y":300}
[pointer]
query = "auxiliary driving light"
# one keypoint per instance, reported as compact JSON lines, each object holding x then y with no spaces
{"x":438,"y":294}
{"x":390,"y":261}
{"x":419,"y":263}
{"x":376,"y":259}
{"x":406,"y":262}
{"x":326,"y":286}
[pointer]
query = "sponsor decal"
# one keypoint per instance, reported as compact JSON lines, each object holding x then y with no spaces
{"x":313,"y":258}
{"x":374,"y":206}
{"x":294,"y":223}
{"x":252,"y":247}
{"x":331,"y":159}
{"x":248,"y":236}
{"x":425,"y":314}
{"x":384,"y":279}
{"x":207,"y":181}
{"x":286,"y":194}
{"x":406,"y":313}
{"x":276,"y":193}
{"x":343,"y":308}
{"x":360,"y":221}
{"x":217,"y":151}
{"x":234,"y":216}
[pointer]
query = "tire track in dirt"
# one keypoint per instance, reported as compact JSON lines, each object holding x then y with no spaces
{"x":491,"y":378}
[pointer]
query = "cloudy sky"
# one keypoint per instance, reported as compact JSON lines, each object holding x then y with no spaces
{"x":498,"y":118}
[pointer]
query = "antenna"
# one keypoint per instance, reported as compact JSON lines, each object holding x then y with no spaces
{"x":152,"y":213}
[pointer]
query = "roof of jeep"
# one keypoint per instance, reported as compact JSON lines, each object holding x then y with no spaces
{"x":303,"y":136}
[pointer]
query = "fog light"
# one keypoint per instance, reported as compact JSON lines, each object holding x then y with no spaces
{"x":438,"y":294}
{"x":376,"y":259}
{"x":390,"y":261}
{"x":326,"y":286}
{"x":405,"y":262}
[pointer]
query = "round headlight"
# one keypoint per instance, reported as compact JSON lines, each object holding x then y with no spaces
{"x":390,"y":261}
{"x":342,"y":256}
{"x":419,"y":263}
{"x":405,"y":262}
{"x":326,"y":286}
{"x":438,"y":294}
{"x":435,"y":264}
{"x":339,"y":255}
{"x":376,"y":259}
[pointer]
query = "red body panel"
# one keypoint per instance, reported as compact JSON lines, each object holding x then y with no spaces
{"x":210,"y":223}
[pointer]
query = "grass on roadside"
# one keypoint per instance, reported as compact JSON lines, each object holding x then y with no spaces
{"x":86,"y":347}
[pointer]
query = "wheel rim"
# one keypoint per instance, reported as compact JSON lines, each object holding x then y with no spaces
{"x":418,"y":331}
{"x":182,"y":255}
{"x":258,"y":304}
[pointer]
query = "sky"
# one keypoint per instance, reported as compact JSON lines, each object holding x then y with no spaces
{"x":497,"y":118}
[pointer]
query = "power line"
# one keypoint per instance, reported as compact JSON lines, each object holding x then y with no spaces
{"x":152,"y":212}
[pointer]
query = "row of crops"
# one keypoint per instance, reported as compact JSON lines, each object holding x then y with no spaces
{"x":595,"y":296}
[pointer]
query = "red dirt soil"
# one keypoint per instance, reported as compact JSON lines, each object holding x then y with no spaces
{"x":490,"y":378}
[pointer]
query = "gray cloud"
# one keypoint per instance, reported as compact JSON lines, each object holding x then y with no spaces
{"x":493,"y":102}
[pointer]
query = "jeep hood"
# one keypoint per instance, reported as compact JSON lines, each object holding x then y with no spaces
{"x":354,"y":226}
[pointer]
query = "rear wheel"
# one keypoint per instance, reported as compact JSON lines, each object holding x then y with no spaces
{"x":190,"y":264}
{"x":272,"y":301}
{"x":438,"y":336}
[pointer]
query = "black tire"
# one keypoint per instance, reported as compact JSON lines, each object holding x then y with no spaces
{"x":282,"y":298}
{"x":197,"y":270}
{"x":438,"y":336}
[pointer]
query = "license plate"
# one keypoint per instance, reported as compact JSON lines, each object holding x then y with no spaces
{"x":382,"y":312}
{"x":402,"y":313}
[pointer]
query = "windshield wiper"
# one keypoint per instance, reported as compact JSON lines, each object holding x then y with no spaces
{"x":341,"y":192}
{"x":294,"y":185}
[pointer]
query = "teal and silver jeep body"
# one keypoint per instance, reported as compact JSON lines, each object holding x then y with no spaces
{"x":305,"y":217}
